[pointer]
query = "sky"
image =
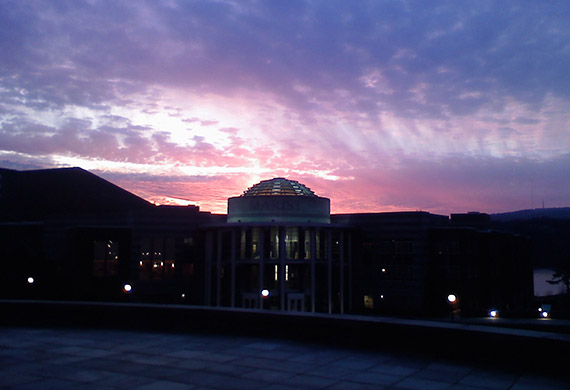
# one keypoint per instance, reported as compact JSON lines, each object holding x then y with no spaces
{"x":441,"y":106}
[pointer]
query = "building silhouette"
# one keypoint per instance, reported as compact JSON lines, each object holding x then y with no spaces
{"x":68,"y":234}
{"x":279,"y":239}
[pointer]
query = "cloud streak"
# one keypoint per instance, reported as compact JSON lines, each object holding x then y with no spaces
{"x":441,"y":106}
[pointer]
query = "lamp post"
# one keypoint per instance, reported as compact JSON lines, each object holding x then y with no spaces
{"x":453,"y":304}
{"x":264,"y":295}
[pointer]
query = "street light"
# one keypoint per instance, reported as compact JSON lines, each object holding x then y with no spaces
{"x":265,"y":293}
{"x":127,"y":288}
{"x":544,"y":310}
{"x":453,"y":305}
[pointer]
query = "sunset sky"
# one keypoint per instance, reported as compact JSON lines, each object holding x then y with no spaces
{"x":442,"y":106}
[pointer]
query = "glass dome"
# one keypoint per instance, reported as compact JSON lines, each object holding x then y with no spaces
{"x":278,"y":200}
{"x":278,"y":186}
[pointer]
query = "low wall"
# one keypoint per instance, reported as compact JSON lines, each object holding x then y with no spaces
{"x":474,"y":344}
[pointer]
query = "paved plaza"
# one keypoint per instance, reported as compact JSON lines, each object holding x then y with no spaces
{"x":58,"y":358}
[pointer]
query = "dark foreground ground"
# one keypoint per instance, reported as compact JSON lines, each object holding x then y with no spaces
{"x":38,"y":358}
{"x":100,"y":346}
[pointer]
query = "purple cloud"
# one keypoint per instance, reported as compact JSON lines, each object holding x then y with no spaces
{"x":393,"y":98}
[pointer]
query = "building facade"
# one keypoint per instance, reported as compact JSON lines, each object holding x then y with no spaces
{"x":68,"y":234}
{"x":278,"y":250}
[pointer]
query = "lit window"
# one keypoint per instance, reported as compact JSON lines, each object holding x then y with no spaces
{"x":292,"y":243}
{"x":105,"y":258}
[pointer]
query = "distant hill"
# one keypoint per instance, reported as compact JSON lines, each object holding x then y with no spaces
{"x":552,"y":213}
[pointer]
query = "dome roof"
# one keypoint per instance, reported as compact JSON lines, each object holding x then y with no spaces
{"x":279,"y":186}
{"x":279,"y":200}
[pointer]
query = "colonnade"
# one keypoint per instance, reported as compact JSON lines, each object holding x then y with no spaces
{"x":234,"y":251}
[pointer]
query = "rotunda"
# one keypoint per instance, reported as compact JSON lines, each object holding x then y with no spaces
{"x":278,"y":250}
{"x":279,"y":200}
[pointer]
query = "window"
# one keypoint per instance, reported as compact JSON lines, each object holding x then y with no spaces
{"x":157,"y":259}
{"x":307,"y":246}
{"x":274,"y":251}
{"x":321,"y":244}
{"x":105,"y":258}
{"x":292,"y":242}
{"x":255,"y":242}
{"x":368,"y":302}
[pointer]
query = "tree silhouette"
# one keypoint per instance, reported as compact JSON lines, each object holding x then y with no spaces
{"x":562,"y":274}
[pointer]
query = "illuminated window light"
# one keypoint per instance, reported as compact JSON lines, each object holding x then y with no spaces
{"x":276,"y":273}
{"x":286,"y":273}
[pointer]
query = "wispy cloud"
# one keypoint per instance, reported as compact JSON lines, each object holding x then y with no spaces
{"x":390,"y":105}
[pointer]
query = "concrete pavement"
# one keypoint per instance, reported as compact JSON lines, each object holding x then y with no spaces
{"x":73,"y":358}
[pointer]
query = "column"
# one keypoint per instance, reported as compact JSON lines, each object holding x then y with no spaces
{"x":341,"y":260}
{"x":208,"y":269}
{"x":218,"y":267}
{"x":349,"y":271}
{"x":233,"y":270}
{"x":282,"y":257}
{"x":261,"y":267}
{"x":329,"y":269}
{"x":313,"y":260}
